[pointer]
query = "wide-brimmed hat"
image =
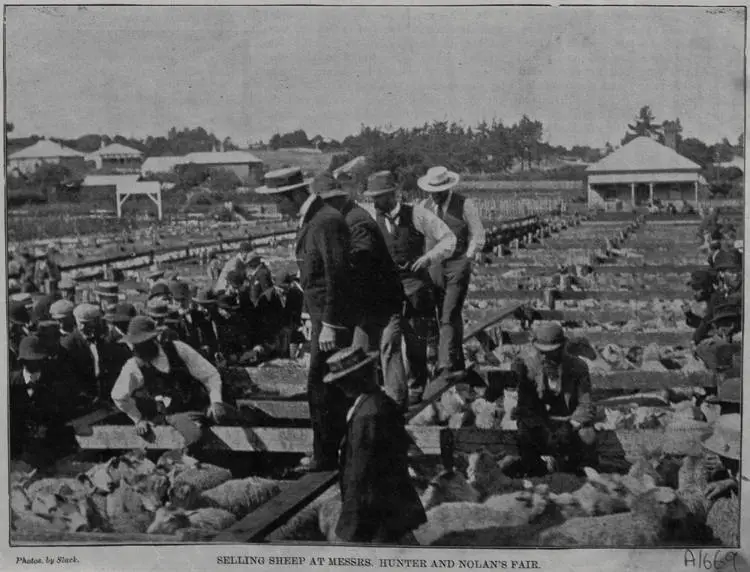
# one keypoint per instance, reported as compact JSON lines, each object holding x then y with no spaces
{"x":159,"y":289}
{"x":438,"y":179}
{"x":32,"y":348}
{"x":548,"y":337}
{"x":180,"y":290}
{"x":346,"y":361}
{"x":157,"y":308}
{"x":61,"y":309}
{"x":87,"y":313}
{"x":725,"y":440}
{"x":728,"y":261}
{"x":107,"y":289}
{"x":730,"y":391}
{"x":18,"y":313}
{"x":380,"y":183}
{"x":141,"y":329}
{"x":205,"y":296}
{"x":283,"y":180}
{"x":727,"y":312}
{"x":326,"y":187}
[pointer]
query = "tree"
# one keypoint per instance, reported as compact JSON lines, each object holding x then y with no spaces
{"x":645,"y":126}
{"x":608,"y":149}
{"x":697,"y":151}
{"x":671,"y":127}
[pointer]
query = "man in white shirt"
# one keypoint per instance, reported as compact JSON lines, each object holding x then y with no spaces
{"x":166,"y":383}
{"x":237,"y":262}
{"x":453,"y":274}
{"x":408,"y":230}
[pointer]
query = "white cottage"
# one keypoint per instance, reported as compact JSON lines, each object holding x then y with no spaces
{"x":641,"y":171}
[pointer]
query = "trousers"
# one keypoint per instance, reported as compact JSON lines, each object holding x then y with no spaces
{"x":418,"y":312}
{"x":328,"y":404}
{"x":383,"y":333}
{"x":452,"y":279}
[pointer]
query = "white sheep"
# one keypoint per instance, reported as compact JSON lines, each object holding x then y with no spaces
{"x":127,"y":510}
{"x":448,"y":486}
{"x":692,"y":479}
{"x":201,"y":477}
{"x":169,"y":520}
{"x":241,"y":496}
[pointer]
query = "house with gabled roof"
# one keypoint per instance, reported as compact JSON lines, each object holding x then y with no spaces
{"x":641,"y":171}
{"x":45,"y":151}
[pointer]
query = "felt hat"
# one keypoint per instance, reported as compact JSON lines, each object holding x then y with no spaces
{"x":727,"y":312}
{"x":87,"y":313}
{"x":204,"y":297}
{"x":180,"y":290}
{"x":438,"y":179}
{"x":346,"y":361}
{"x":725,"y":440}
{"x":141,"y":329}
{"x":380,"y":183}
{"x":548,"y":337}
{"x":107,"y":289}
{"x":326,"y":187}
{"x":32,"y":348}
{"x":18,"y":314}
{"x":121,"y":313}
{"x":66,"y":283}
{"x":159,"y":289}
{"x":40,"y":310}
{"x":726,"y":260}
{"x":60,"y":309}
{"x":730,"y":391}
{"x":282,"y":181}
{"x":157,"y":308}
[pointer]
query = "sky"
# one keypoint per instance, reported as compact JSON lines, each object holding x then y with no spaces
{"x":249,"y":72}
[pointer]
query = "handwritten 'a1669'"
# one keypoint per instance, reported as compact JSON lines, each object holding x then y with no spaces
{"x":711,"y":560}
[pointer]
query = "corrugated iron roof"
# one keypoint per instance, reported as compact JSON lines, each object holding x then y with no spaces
{"x":117,"y":149}
{"x":644,"y":154}
{"x":217,"y":158}
{"x":45,"y":149}
{"x":160,"y":164}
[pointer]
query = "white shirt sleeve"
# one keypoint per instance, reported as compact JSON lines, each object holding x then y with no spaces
{"x":201,"y":369}
{"x":129,"y":380}
{"x":440,"y":239}
{"x":476,"y":229}
{"x":221,"y":281}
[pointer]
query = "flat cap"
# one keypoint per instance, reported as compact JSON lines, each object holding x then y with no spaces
{"x":87,"y":313}
{"x":61,"y":308}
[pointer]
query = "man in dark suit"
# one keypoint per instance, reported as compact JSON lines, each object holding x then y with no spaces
{"x":378,"y":501}
{"x":84,"y":346}
{"x":554,"y":412}
{"x":376,"y":288}
{"x":323,"y":246}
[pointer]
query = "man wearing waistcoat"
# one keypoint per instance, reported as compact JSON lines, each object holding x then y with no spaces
{"x":452,"y":276}
{"x":407,"y":230}
{"x":323,"y":246}
{"x":377,"y":287}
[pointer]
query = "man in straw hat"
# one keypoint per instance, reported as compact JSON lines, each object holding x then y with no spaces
{"x":236,"y":263}
{"x":167,"y":383}
{"x":407,"y":230}
{"x":376,"y":284}
{"x":554,"y":412}
{"x":323,"y":246}
{"x":453,"y":275}
{"x":378,"y":501}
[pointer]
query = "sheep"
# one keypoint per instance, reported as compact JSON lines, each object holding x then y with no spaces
{"x":692,"y":479}
{"x":169,"y":520}
{"x":241,"y":496}
{"x":105,"y":477}
{"x":658,"y":518}
{"x":202,"y":476}
{"x":448,"y":486}
{"x":53,"y":486}
{"x":724,"y":520}
{"x":127,"y":510}
{"x":74,"y":512}
{"x":306,"y":524}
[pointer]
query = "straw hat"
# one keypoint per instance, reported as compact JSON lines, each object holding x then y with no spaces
{"x":346,"y":361}
{"x":283,"y":180}
{"x":725,"y":440}
{"x":438,"y":179}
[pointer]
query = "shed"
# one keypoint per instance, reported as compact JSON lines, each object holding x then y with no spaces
{"x":641,"y":171}
{"x":245,"y":165}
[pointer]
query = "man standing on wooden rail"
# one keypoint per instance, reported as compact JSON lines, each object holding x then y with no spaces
{"x":378,"y":501}
{"x":170,"y":383}
{"x":554,"y":412}
{"x":323,"y":246}
{"x":452,"y":276}
{"x":377,"y":289}
{"x":407,"y":230}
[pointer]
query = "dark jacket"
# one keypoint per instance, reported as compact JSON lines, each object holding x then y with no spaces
{"x":323,"y":245}
{"x":573,"y":400}
{"x":80,"y":355}
{"x":718,"y":298}
{"x":379,"y":503}
{"x":376,"y":283}
{"x":261,"y":282}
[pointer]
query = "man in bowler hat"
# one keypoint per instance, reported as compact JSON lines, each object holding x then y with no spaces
{"x":323,"y":246}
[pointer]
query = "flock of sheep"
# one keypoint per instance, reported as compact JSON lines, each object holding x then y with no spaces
{"x":659,"y":502}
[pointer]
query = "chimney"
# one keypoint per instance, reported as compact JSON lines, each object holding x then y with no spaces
{"x":670,"y":135}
